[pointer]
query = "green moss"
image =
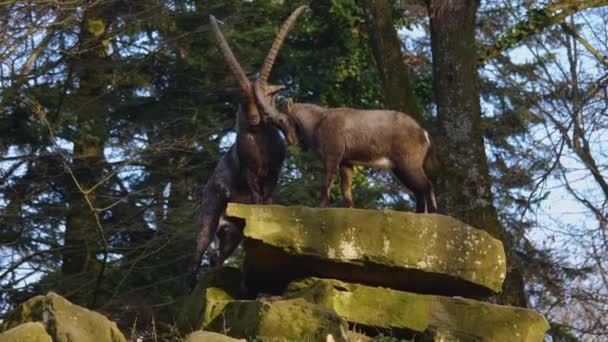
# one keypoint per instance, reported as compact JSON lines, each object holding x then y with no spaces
{"x":436,"y":316}
{"x":207,"y":336}
{"x":26,"y":332}
{"x":434,"y":244}
{"x":95,"y":27}
{"x":213,"y":291}
{"x":65,"y":321}
{"x":287,"y":320}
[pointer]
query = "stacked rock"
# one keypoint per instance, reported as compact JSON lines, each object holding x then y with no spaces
{"x":354,"y":274}
{"x":53,"y":318}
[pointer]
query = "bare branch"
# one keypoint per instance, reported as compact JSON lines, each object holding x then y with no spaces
{"x":537,"y":20}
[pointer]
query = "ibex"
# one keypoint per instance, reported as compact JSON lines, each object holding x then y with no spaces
{"x":248,"y":172}
{"x":383,"y":139}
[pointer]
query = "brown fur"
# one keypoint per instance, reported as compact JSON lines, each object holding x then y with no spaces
{"x":384,"y":139}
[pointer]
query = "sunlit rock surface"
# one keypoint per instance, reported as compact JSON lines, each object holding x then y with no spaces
{"x":424,"y":253}
{"x":279,"y":319}
{"x":64,"y":321}
{"x":433,"y":317}
{"x":207,"y":336}
{"x":213,"y":291}
{"x":26,"y":332}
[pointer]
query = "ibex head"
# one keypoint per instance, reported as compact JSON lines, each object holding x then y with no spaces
{"x":259,"y":95}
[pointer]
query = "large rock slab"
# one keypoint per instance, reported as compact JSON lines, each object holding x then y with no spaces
{"x":26,"y":332}
{"x":425,"y":253}
{"x":64,"y":321}
{"x":207,"y":336}
{"x":214,"y":290}
{"x":280,"y":320}
{"x":436,"y":318}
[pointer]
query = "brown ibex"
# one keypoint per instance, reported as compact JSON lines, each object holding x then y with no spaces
{"x":383,"y":139}
{"x":248,"y":172}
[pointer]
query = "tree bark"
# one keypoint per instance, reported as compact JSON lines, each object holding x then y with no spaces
{"x":464,"y":188}
{"x":396,"y":84}
{"x":88,"y":158}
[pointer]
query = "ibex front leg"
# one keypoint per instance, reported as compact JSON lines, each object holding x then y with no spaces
{"x":331,"y":168}
{"x":346,"y":176}
{"x":268,"y":185}
{"x":251,"y":156}
{"x":253,"y":183}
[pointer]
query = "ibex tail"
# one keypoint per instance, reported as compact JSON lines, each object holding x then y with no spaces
{"x":431,"y":163}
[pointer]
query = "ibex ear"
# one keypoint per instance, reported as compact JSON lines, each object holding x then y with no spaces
{"x":289,"y":105}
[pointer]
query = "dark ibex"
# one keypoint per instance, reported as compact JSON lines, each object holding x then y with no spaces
{"x":248,"y":172}
{"x":382,"y":139}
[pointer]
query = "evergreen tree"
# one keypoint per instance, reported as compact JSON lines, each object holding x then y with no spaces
{"x":115,"y":113}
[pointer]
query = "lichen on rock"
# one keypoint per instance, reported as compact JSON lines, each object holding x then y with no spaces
{"x":278,"y":319}
{"x":213,"y":291}
{"x":434,"y":317}
{"x":208,"y":336}
{"x":428,"y":253}
{"x":64,"y":321}
{"x":26,"y":332}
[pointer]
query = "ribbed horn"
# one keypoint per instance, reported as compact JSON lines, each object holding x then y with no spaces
{"x":278,"y":42}
{"x":234,"y":65}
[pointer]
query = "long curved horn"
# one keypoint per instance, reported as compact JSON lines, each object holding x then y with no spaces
{"x":278,"y":42}
{"x":234,"y":65}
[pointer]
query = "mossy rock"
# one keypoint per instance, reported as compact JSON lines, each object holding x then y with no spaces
{"x":279,"y":320}
{"x":430,"y":317}
{"x":423,"y":253}
{"x":213,"y":291}
{"x":64,"y":321}
{"x":207,"y":336}
{"x":26,"y":332}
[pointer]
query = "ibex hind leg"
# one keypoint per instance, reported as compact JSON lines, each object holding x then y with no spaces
{"x":213,"y":207}
{"x":415,"y":179}
{"x":205,"y":236}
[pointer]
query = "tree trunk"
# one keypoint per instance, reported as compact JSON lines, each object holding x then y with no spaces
{"x":88,"y":158}
{"x":396,"y":85}
{"x":464,"y":188}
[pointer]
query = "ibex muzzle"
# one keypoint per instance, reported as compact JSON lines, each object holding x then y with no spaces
{"x":248,"y":172}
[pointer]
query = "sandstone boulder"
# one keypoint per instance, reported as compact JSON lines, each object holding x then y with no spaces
{"x":278,"y":319}
{"x":435,"y":318}
{"x":64,"y":321}
{"x":207,"y":336}
{"x":26,"y":332}
{"x":213,"y":291}
{"x":424,"y":253}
